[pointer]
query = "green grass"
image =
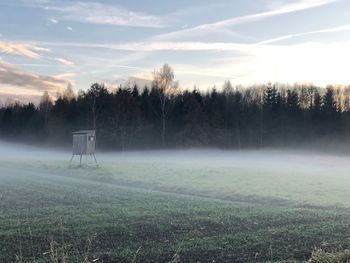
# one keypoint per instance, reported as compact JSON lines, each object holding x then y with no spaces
{"x":321,"y":256}
{"x":140,"y":211}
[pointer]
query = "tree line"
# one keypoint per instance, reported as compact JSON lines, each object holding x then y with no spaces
{"x":163,"y":116}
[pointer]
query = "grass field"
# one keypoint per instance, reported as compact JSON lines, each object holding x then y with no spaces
{"x":192,"y":206}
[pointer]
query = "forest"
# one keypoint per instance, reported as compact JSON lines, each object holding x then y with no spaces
{"x":165,"y":116}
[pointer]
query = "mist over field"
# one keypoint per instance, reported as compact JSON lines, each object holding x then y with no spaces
{"x":306,"y":176}
{"x":297,"y":160}
{"x":195,"y":204}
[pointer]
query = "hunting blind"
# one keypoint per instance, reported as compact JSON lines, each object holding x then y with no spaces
{"x":84,"y":144}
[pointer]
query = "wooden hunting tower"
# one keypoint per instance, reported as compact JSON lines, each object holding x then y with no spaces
{"x":84,"y":144}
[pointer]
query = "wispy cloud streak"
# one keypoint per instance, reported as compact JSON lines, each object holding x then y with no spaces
{"x":158,"y":46}
{"x":64,"y":61}
{"x":220,"y":25}
{"x":326,"y":30}
{"x":103,"y":14}
{"x":31,"y":51}
{"x":25,"y":50}
{"x":14,"y":76}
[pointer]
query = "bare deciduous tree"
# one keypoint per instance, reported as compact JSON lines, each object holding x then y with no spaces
{"x":94,"y":95}
{"x":163,"y":79}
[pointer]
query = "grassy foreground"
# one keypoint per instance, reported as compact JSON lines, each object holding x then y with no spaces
{"x":135,"y":210}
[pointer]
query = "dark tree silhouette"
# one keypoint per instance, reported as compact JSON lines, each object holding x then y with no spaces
{"x":45,"y":107}
{"x":96,"y":96}
{"x":227,"y":117}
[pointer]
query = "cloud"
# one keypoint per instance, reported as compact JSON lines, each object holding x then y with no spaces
{"x":54,"y":21}
{"x":25,"y":50}
{"x":326,"y":30}
{"x":12,"y":90}
{"x":219,"y":72}
{"x":30,"y":51}
{"x":64,"y":61}
{"x":224,"y":24}
{"x":11,"y":75}
{"x":10,"y":94}
{"x":66,"y":76}
{"x":180,"y":46}
{"x":320,"y":63}
{"x":98,"y":13}
{"x":160,"y":46}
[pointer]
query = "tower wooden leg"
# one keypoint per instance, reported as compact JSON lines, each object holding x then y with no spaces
{"x":70,"y":162}
{"x":95,"y":159}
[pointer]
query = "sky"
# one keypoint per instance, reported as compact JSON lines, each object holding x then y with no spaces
{"x":46,"y":44}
